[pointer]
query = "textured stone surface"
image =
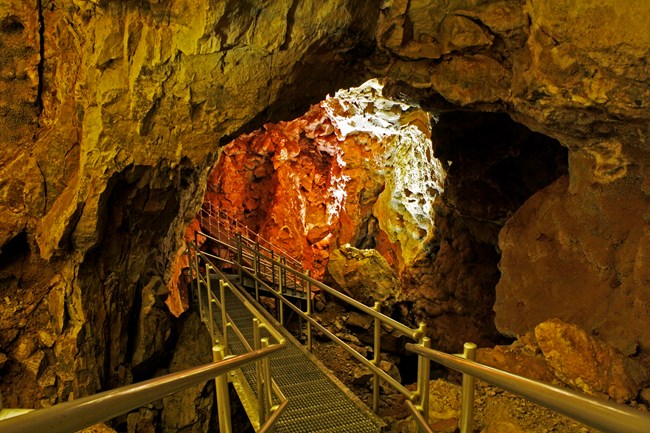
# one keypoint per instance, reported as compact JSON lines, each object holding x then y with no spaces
{"x":564,"y":354}
{"x":111,"y":117}
{"x":364,"y":275}
{"x":588,"y":364}
{"x":583,"y":260}
{"x":518,"y":359}
{"x":154,"y":328}
{"x":192,"y":410}
{"x":567,"y":69}
{"x":444,"y":408}
{"x":106,"y":144}
{"x":356,"y":168}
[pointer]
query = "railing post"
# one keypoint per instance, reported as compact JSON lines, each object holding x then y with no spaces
{"x":218,"y":217}
{"x":190,"y":283}
{"x":240,"y":265}
{"x":198,"y":280}
{"x":426,"y":378}
{"x":309,"y":307}
{"x":257,"y":344}
{"x":266,"y":362}
{"x":376,"y":359}
{"x":208,"y":288}
{"x":224,"y":316}
{"x":223,"y":398}
{"x":272,"y":268}
{"x":424,"y":373}
{"x":280,"y":304}
{"x":467,"y":406}
{"x":257,"y":270}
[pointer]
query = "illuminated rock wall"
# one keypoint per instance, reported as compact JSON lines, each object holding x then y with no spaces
{"x":112,"y":112}
{"x":334,"y":176}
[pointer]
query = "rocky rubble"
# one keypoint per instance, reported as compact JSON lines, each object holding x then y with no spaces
{"x":564,"y":354}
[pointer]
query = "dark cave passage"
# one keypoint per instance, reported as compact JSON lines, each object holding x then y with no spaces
{"x":493,"y":166}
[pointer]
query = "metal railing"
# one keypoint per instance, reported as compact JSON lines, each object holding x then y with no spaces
{"x":222,"y":226}
{"x":87,"y":411}
{"x":603,"y":415}
{"x":266,"y":411}
{"x":258,"y":263}
{"x":275,"y":275}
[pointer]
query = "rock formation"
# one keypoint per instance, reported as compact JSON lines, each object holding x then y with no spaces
{"x":566,"y":355}
{"x":112,"y":112}
{"x":112,"y":115}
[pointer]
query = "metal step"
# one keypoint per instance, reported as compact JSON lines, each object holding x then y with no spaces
{"x":317,"y":402}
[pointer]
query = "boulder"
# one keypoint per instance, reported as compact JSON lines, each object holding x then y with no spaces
{"x":517,"y":359}
{"x":154,"y":327}
{"x":586,"y":363}
{"x":364,"y":275}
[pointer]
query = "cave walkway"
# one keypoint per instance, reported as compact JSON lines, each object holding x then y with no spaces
{"x":231,"y":243}
{"x":317,"y":401}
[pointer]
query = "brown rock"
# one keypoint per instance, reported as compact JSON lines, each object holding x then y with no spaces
{"x":644,"y":396}
{"x":98,"y":428}
{"x":364,"y":275}
{"x":190,"y":352}
{"x":154,"y":328}
{"x":359,"y":321}
{"x":517,"y":360}
{"x":587,"y":363}
{"x":115,"y":110}
{"x":560,"y":261}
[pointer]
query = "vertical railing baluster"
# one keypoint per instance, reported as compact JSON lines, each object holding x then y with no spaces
{"x":467,"y":406}
{"x":309,"y":307}
{"x":198,"y":279}
{"x":283,"y":271}
{"x":281,"y":282}
{"x":208,"y":287}
{"x":426,"y":378}
{"x":257,"y":266}
{"x":223,"y":397}
{"x":268,"y":388}
{"x":224,"y":316}
{"x":257,"y":344}
{"x":376,"y":360}
{"x":272,"y":268}
{"x":240,"y":264}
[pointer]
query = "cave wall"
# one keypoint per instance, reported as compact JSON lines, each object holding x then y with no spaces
{"x":116,"y":107}
{"x":576,"y":71}
{"x":112,"y":115}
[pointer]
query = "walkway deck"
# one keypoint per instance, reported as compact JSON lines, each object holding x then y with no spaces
{"x":318,"y":403}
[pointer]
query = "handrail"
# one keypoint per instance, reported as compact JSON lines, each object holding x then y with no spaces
{"x":250,"y":261}
{"x":601,"y":414}
{"x":215,"y":216}
{"x":87,"y":411}
{"x":417,"y":416}
{"x":270,"y":423}
{"x":413,"y":333}
{"x":266,"y":386}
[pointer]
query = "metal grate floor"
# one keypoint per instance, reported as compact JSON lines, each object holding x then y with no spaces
{"x":316,"y":403}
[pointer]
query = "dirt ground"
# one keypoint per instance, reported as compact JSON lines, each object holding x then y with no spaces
{"x":496,"y":411}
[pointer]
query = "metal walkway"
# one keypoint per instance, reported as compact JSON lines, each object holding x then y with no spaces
{"x":317,"y":402}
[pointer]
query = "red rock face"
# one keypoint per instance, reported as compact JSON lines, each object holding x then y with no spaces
{"x":309,"y":190}
{"x":299,"y":186}
{"x":277,"y":181}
